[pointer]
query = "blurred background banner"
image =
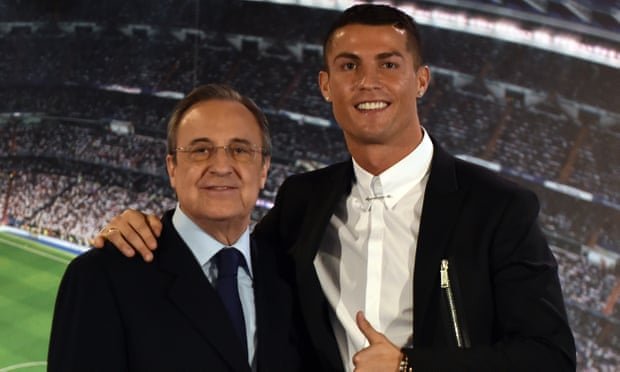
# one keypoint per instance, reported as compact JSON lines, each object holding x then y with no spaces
{"x":527,"y":88}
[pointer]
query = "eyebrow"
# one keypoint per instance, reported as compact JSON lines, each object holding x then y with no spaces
{"x":200,"y":140}
{"x":208,"y":140}
{"x":391,"y":54}
{"x":346,"y":55}
{"x":380,"y":56}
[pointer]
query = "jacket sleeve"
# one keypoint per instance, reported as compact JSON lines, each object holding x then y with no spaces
{"x":87,"y":333}
{"x":529,"y":330}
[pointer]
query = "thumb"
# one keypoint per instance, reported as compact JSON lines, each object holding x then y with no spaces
{"x":369,"y":332}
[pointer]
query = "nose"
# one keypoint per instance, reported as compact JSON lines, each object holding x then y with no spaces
{"x":220,"y":162}
{"x":368,"y":78}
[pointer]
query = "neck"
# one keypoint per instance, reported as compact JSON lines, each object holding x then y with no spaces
{"x":376,"y":158}
{"x":226,"y":232}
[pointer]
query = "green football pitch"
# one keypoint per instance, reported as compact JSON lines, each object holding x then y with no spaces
{"x":29,"y":278}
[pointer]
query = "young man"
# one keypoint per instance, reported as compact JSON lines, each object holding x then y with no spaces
{"x":212,"y":299}
{"x":406,"y":258}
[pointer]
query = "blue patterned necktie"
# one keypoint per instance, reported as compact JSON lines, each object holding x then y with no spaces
{"x":228,"y":261}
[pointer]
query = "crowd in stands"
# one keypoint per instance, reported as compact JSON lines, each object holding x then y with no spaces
{"x":162,"y":60}
{"x":586,"y":288}
{"x":597,"y":167}
{"x":595,"y":353}
{"x":297,"y":147}
{"x":461,"y":120}
{"x":235,"y":15}
{"x":91,"y":144}
{"x":585,"y":284}
{"x":294,"y":141}
{"x":548,"y":135}
{"x":528,"y":141}
{"x":80,"y":209}
{"x":148,"y":114}
{"x":69,"y":199}
{"x":521,"y":65}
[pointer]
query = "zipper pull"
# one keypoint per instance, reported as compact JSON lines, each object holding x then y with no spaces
{"x":443,"y":274}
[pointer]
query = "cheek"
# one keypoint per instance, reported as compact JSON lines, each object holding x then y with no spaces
{"x":407,"y":86}
{"x":253,"y":180}
{"x":187,"y":177}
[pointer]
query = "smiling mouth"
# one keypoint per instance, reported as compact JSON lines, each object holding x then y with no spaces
{"x":220,"y":188}
{"x":372,"y":106}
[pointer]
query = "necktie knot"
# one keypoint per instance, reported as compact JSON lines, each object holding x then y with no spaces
{"x":228,"y":261}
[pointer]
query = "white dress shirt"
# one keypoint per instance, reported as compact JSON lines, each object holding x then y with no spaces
{"x":366,"y":259}
{"x":205,"y":247}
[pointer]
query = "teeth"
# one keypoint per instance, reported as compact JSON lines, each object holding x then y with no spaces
{"x":371,"y":105}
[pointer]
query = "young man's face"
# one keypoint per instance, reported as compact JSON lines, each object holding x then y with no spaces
{"x":218,"y":189}
{"x":373,"y":84}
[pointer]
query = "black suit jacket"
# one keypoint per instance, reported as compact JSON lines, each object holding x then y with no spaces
{"x":119,"y":314}
{"x":503,"y":274}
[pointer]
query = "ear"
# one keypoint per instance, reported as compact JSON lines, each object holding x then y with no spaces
{"x":171,"y":166}
{"x":324,"y":84}
{"x":264,"y":171}
{"x":423,"y":79}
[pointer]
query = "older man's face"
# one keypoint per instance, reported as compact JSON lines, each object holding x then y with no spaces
{"x":220,"y":188}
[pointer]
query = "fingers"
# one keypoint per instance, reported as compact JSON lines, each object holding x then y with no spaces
{"x":135,"y":233}
{"x":98,"y":241}
{"x":369,"y":332}
{"x":155,"y":223}
{"x":131,"y":231}
{"x":143,"y":238}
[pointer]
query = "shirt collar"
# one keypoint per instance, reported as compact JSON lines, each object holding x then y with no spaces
{"x":401,"y":177}
{"x":203,"y":245}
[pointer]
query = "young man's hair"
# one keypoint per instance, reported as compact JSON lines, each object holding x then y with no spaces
{"x":378,"y":15}
{"x":210,"y":92}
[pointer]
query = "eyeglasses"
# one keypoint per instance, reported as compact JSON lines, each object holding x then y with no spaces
{"x":239,"y":152}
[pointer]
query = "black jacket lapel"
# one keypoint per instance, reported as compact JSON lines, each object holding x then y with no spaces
{"x":338,"y":180}
{"x":273,"y":301}
{"x":442,"y":205}
{"x":192,"y":293}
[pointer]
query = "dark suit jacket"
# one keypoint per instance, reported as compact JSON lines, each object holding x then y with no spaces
{"x":505,"y":279}
{"x":119,"y":314}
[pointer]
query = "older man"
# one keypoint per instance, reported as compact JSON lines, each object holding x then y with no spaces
{"x":212,"y":300}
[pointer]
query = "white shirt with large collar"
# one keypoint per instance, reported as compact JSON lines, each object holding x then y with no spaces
{"x":366,"y":259}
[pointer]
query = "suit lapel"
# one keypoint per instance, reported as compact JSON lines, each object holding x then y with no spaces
{"x":273,"y":301}
{"x":442,"y":203}
{"x":192,"y":293}
{"x":314,"y":305}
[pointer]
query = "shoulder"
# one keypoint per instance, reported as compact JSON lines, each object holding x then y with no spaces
{"x":492,"y":191}
{"x":482,"y":190}
{"x":94,"y":257}
{"x":107,"y":261}
{"x":472,"y":175}
{"x":323,"y":174}
{"x":450,"y":173}
{"x":334,"y":173}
